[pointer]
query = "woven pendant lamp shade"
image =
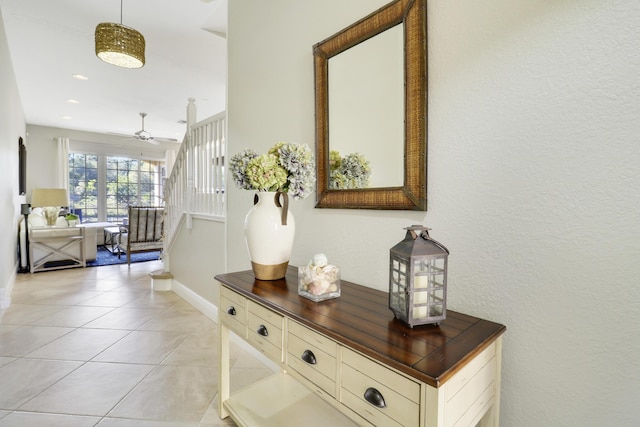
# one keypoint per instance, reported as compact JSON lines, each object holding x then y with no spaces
{"x":120,"y":45}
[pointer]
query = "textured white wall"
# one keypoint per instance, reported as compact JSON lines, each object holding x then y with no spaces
{"x":534,"y":177}
{"x":197,"y":255}
{"x":534,"y":145}
{"x":11,"y":127}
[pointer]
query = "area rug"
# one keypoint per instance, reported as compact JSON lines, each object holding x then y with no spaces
{"x":104,"y":257}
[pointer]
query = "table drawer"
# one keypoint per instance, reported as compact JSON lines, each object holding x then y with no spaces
{"x":233,"y":296}
{"x":264,"y":313}
{"x":233,"y":312}
{"x":311,"y":360}
{"x":321,"y":342}
{"x":377,"y":393}
{"x":264,"y":331}
{"x":372,"y":415}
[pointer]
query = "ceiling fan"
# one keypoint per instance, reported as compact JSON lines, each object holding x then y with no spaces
{"x":146,"y":136}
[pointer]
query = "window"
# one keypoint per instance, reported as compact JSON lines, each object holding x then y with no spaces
{"x":83,"y":188}
{"x":101,"y":187}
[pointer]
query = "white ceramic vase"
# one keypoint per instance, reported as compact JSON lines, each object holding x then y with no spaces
{"x":269,"y":230}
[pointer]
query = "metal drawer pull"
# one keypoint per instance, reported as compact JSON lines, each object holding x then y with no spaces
{"x":231,"y":310}
{"x":262,"y":330}
{"x":309,"y":357}
{"x":374,"y":397}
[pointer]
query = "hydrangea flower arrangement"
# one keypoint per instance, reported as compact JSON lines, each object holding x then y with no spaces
{"x":286,"y":167}
{"x":348,"y":172}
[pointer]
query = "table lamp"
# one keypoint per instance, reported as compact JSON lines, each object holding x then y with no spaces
{"x":50,"y":200}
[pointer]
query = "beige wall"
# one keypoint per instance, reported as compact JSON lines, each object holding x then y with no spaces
{"x":533,"y":181}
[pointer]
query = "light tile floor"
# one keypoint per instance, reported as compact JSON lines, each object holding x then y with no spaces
{"x":97,"y":347}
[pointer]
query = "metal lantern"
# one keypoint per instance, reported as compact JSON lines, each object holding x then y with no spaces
{"x":418,"y":278}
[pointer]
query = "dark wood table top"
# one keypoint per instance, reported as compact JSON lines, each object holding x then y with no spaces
{"x":361,"y":319}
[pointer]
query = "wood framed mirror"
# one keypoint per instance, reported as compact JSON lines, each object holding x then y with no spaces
{"x":410,"y":145}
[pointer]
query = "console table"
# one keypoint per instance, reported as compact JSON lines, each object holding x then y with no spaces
{"x":347,"y":361}
{"x":53,"y":248}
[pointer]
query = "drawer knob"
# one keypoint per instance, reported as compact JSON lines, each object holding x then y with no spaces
{"x":231,"y":310}
{"x":374,"y":397}
{"x":262,"y":330}
{"x":309,"y":357}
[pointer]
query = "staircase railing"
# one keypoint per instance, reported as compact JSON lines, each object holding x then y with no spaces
{"x":196,"y":184}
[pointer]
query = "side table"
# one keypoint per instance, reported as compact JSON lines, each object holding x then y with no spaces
{"x":112,"y":240}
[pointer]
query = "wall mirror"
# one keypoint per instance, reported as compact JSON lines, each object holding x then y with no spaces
{"x":371,"y":99}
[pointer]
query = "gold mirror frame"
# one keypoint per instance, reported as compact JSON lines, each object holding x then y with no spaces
{"x":413,"y":194}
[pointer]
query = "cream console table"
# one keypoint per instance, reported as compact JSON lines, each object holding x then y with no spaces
{"x":347,"y":361}
{"x":53,"y":248}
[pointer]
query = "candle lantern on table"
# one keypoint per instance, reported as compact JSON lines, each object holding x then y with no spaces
{"x":418,"y":278}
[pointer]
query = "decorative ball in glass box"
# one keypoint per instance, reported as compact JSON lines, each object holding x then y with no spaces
{"x":319,"y":280}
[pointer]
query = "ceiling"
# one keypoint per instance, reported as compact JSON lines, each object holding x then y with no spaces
{"x":50,"y":41}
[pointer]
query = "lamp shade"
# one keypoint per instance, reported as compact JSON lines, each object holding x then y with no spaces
{"x":119,"y":45}
{"x":49,"y":197}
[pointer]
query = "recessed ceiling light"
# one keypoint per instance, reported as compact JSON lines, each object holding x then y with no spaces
{"x":73,"y":101}
{"x":80,"y":77}
{"x":67,"y":117}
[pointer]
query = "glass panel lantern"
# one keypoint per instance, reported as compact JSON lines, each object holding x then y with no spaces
{"x":418,"y":278}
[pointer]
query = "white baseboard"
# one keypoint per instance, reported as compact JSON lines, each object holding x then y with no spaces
{"x":206,"y":307}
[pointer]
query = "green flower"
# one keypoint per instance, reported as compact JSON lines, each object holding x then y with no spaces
{"x":266,"y":174}
{"x":334,"y":160}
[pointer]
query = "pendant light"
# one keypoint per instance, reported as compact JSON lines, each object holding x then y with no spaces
{"x":120,"y":45}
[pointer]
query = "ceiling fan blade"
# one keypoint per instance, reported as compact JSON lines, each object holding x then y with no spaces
{"x":166,"y":139}
{"x":124,"y":135}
